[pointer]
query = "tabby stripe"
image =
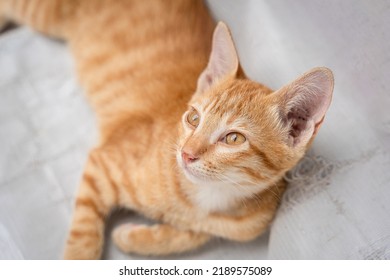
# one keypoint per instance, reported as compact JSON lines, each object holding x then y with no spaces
{"x":231,"y":119}
{"x":112,"y":77}
{"x":91,"y":182}
{"x":90,"y":243}
{"x":89,"y":203}
{"x":210,"y":105}
{"x":267,"y":161}
{"x":97,"y":163}
{"x":86,"y":220}
{"x":130,"y":189}
{"x":218,"y":104}
{"x":253,"y":174}
{"x":243,"y":218}
{"x":84,"y":233}
{"x":99,"y":79}
{"x":114,"y":187}
{"x":100,"y":60}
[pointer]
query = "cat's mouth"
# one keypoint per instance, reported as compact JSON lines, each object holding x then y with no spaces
{"x":192,"y":172}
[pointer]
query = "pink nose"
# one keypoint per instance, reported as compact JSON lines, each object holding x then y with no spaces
{"x":188,"y":158}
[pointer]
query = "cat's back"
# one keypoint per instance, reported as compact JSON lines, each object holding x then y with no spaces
{"x":141,"y":56}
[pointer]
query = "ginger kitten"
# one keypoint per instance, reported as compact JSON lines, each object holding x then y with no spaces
{"x":185,"y":138}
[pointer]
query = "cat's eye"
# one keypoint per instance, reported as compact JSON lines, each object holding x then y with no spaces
{"x":234,"y":138}
{"x":193,"y":117}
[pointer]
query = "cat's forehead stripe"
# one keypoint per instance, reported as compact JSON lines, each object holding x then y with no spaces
{"x":209,"y":104}
{"x":215,"y":105}
{"x":229,"y":110}
{"x":231,"y":102}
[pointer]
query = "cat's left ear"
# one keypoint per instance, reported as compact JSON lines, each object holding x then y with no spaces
{"x":223,"y":61}
{"x":303,"y":104}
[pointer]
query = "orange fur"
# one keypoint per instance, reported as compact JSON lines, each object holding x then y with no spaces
{"x":139,"y":62}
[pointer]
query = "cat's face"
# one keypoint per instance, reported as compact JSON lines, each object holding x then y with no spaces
{"x":237,"y":132}
{"x":232,"y":134}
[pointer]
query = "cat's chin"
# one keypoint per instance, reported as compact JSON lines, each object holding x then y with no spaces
{"x":193,"y":177}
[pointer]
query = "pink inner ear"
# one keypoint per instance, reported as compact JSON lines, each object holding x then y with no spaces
{"x":306,"y":100}
{"x":298,"y":120}
{"x":223,"y":58}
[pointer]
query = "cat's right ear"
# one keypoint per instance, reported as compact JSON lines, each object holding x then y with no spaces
{"x":223,"y":61}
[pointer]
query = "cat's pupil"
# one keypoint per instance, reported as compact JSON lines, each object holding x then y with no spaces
{"x":234,"y":138}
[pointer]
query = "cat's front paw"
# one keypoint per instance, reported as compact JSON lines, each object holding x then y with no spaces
{"x":158,"y":239}
{"x":128,"y":237}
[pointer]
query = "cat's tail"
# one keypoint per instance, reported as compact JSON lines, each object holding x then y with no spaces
{"x":52,"y":17}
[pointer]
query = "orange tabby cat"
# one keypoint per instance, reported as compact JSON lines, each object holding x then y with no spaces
{"x":186,"y":138}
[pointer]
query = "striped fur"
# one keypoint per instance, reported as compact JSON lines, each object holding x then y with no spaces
{"x":139,"y":62}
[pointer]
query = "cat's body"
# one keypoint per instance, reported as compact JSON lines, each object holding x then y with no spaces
{"x":216,"y":171}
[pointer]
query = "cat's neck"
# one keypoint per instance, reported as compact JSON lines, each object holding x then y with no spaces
{"x":218,"y":197}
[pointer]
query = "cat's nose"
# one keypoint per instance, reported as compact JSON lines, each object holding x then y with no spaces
{"x":188,"y":158}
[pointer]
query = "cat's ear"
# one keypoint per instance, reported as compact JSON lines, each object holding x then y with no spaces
{"x":303,"y":104}
{"x":223,"y":59}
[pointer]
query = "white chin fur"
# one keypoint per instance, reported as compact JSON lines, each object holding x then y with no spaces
{"x":223,"y":196}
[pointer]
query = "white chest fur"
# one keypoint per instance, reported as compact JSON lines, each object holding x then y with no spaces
{"x":220,"y":197}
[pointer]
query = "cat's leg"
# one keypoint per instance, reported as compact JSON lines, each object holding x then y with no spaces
{"x":3,"y":23}
{"x":159,"y":239}
{"x":3,"y":18}
{"x":259,"y":212}
{"x":52,"y":17}
{"x":94,"y":202}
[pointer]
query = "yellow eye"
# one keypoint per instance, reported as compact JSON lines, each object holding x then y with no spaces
{"x":234,"y":138}
{"x":193,"y":118}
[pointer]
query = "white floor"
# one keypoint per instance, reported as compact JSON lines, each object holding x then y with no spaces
{"x":338,"y":202}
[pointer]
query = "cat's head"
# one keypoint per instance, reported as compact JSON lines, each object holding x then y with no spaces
{"x":237,"y":132}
